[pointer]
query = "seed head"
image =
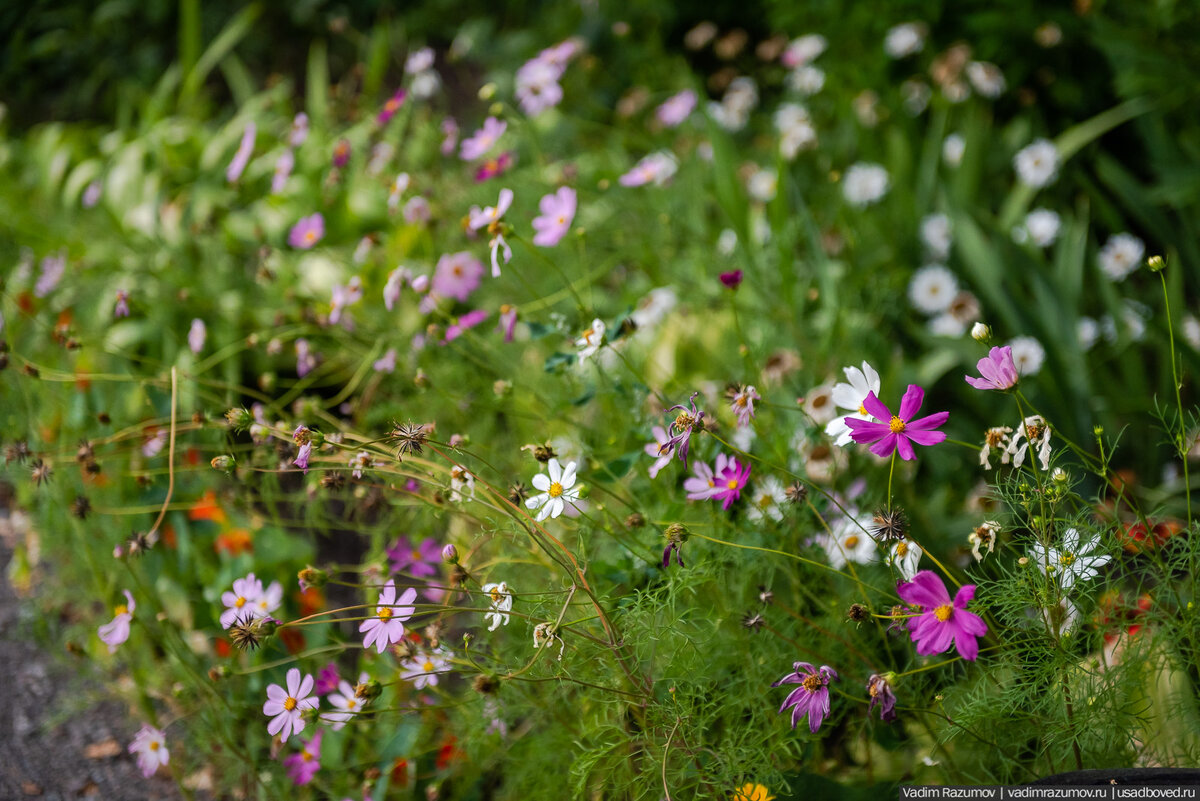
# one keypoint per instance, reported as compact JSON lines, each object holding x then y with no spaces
{"x":82,"y":507}
{"x":857,"y":613}
{"x":797,"y":493}
{"x":890,"y":524}
{"x":753,"y":621}
{"x":41,"y":472}
{"x":635,"y":520}
{"x":409,"y":437}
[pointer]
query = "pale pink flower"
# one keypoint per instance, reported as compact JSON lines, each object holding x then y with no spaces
{"x":558,"y":211}
{"x":114,"y":633}
{"x":450,"y":134}
{"x":537,"y":86}
{"x":661,"y":449}
{"x":283,"y":171}
{"x":286,"y":707}
{"x":490,"y":214}
{"x":676,"y":108}
{"x":150,"y":747}
{"x":299,"y":130}
{"x":307,"y":232}
{"x":998,"y":370}
{"x":508,"y":321}
{"x":457,"y":275}
{"x":196,"y":335}
{"x":388,"y":626}
{"x":482,"y":140}
{"x":121,"y":308}
{"x":242,"y":157}
{"x":655,"y":168}
{"x":241,"y":604}
{"x":423,"y":669}
{"x":500,"y":251}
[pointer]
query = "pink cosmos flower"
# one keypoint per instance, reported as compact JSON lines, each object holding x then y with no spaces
{"x":500,"y":252}
{"x":901,"y":431}
{"x":537,"y":86}
{"x":508,"y":321}
{"x":942,"y":622}
{"x":730,"y":481}
{"x":242,"y":157}
{"x":998,"y":369}
{"x":299,"y":130}
{"x":114,"y":633}
{"x":53,"y":269}
{"x":661,"y":449}
{"x":150,"y":747}
{"x":388,"y":626}
{"x":121,"y":308}
{"x":327,"y":679}
{"x":346,"y":702}
{"x":482,"y":140}
{"x":450,"y":134}
{"x":390,"y":108}
{"x":490,"y":214}
{"x":196,"y":335}
{"x":457,"y":275}
{"x":283,"y":171}
{"x":415,"y":560}
{"x":702,"y":484}
{"x":423,"y":669}
{"x":416,"y":210}
{"x":343,"y":296}
{"x":676,"y":108}
{"x":464,"y":324}
{"x":307,"y":232}
{"x":742,"y":402}
{"x":558,"y":211}
{"x":303,"y":766}
{"x":655,"y":168}
{"x":494,"y":167}
{"x":386,"y":363}
{"x":812,"y":696}
{"x":242,"y":603}
{"x":341,"y":153}
{"x":306,"y":360}
{"x":285,"y":707}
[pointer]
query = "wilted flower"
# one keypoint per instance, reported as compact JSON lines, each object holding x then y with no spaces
{"x":812,"y":696}
{"x":983,"y":539}
{"x":501,"y":602}
{"x":661,"y":449}
{"x":880,"y":690}
{"x":905,"y":556}
{"x":683,"y":425}
{"x":116,"y":632}
{"x":491,"y":214}
{"x":995,"y":439}
{"x":741,"y":401}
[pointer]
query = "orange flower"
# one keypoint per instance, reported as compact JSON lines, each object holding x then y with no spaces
{"x":448,"y":752}
{"x":311,"y":601}
{"x":233,"y":541}
{"x":168,"y":536}
{"x":207,"y":509}
{"x":400,"y":772}
{"x":223,"y":647}
{"x":752,"y":792}
{"x":292,"y":639}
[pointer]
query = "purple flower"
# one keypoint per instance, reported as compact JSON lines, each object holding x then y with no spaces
{"x":299,"y":130}
{"x":701,"y":485}
{"x":676,"y":108}
{"x":301,"y":459}
{"x":306,"y":360}
{"x":812,"y":696}
{"x":882,"y":696}
{"x":416,"y":560}
{"x":661,"y":449}
{"x":731,"y":279}
{"x":242,"y":157}
{"x":464,"y":324}
{"x":53,"y":268}
{"x":678,"y":549}
{"x":341,"y":153}
{"x":457,"y":275}
{"x":742,"y":401}
{"x":494,"y":167}
{"x":386,"y":363}
{"x":482,"y":140}
{"x":942,"y":623}
{"x":683,"y":425}
{"x":730,"y":481}
{"x":901,"y":430}
{"x":388,"y":626}
{"x":303,"y":766}
{"x":196,"y":335}
{"x":283,"y":170}
{"x":558,"y":211}
{"x":327,"y":679}
{"x":121,"y":309}
{"x":390,"y":108}
{"x":307,"y":231}
{"x":998,"y":370}
{"x":508,"y":321}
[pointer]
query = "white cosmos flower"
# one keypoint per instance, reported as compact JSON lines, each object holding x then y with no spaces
{"x":864,"y":184}
{"x":1037,"y":164}
{"x":904,"y":555}
{"x":556,"y":488}
{"x":501,"y":600}
{"x":1027,"y":354}
{"x":936,"y":234}
{"x":1032,"y":431}
{"x":850,"y":396}
{"x":1041,"y":227}
{"x":806,"y":79}
{"x":590,"y":340}
{"x":1075,"y":561}
{"x":848,"y":541}
{"x":952,"y":149}
{"x":932,"y":289}
{"x":766,"y":501}
{"x":1121,"y":255}
{"x":986,"y":77}
{"x":818,"y":402}
{"x":905,"y":39}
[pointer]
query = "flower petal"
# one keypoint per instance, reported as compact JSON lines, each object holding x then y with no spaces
{"x":910,"y":404}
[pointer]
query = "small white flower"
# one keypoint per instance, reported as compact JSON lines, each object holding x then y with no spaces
{"x":1041,"y":227}
{"x":462,"y":484}
{"x":850,"y":396}
{"x":762,"y":185}
{"x":932,"y":289}
{"x":795,"y":128}
{"x":864,"y":184}
{"x":848,"y":541}
{"x":905,"y":556}
{"x":590,"y":341}
{"x":656,"y":305}
{"x":803,"y":50}
{"x":1087,"y":331}
{"x":936,"y":234}
{"x":819,"y":404}
{"x":947,"y":325}
{"x":766,"y":501}
{"x":986,"y":77}
{"x":1037,"y":164}
{"x":501,"y":601}
{"x":998,"y":439}
{"x":1191,"y":331}
{"x":905,"y":39}
{"x":1028,"y":355}
{"x":952,"y":149}
{"x":419,"y":60}
{"x":1075,"y":561}
{"x":544,"y":636}
{"x":726,"y":242}
{"x":557,"y":486}
{"x":983,"y":538}
{"x":1121,"y":255}
{"x":916,"y":95}
{"x":806,"y":79}
{"x":1032,"y":431}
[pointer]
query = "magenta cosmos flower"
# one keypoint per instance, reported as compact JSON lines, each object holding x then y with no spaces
{"x":388,"y":627}
{"x":494,"y":167}
{"x":303,"y":766}
{"x":998,"y":369}
{"x":464,"y":324}
{"x":730,"y":481}
{"x":901,"y":431}
{"x":558,"y":211}
{"x":390,"y":108}
{"x":942,"y":622}
{"x":307,"y":232}
{"x":285,"y":707}
{"x":812,"y":696}
{"x":483,"y":140}
{"x":415,"y":560}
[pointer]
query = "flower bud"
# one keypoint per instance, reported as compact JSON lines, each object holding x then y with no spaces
{"x":450,"y":554}
{"x":312,"y":577}
{"x":677,"y":532}
{"x":981,"y":332}
{"x":239,"y":419}
{"x":1058,"y":475}
{"x":487,"y":91}
{"x":1156,"y":264}
{"x":225,"y":463}
{"x":368,"y":690}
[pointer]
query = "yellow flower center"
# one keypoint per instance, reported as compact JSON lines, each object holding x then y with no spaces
{"x":351,"y":703}
{"x":309,"y":236}
{"x":385,"y":613}
{"x":944,"y":612}
{"x":289,"y":703}
{"x":240,"y":602}
{"x":562,"y":219}
{"x":555,"y":490}
{"x":851,"y":541}
{"x":812,"y":682}
{"x":428,"y":666}
{"x":415,"y":555}
{"x":897,"y":425}
{"x":154,"y":746}
{"x":902,"y":549}
{"x":121,"y":610}
{"x":862,"y":409}
{"x":495,"y":595}
{"x":1066,"y":559}
{"x":732,"y":483}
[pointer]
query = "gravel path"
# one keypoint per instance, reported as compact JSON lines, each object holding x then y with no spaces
{"x":60,"y":738}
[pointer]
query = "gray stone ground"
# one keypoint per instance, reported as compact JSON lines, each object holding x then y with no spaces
{"x":60,"y":738}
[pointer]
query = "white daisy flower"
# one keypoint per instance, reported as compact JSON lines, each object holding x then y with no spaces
{"x":848,"y":541}
{"x":1121,"y":255}
{"x":767,"y":499}
{"x":986,"y":77}
{"x":557,"y":486}
{"x":932,"y":289}
{"x":1037,"y":164}
{"x":501,"y":603}
{"x":905,"y":39}
{"x":936,"y":234}
{"x":864,"y":184}
{"x":1032,"y":431}
{"x":904,"y":555}
{"x":952,"y":149}
{"x":1075,"y":561}
{"x":819,"y":404}
{"x":1040,"y":227}
{"x":590,"y":340}
{"x":850,"y":396}
{"x":806,"y":79}
{"x":1027,"y":354}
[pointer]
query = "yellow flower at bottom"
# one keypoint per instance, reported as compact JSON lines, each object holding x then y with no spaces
{"x":752,"y":792}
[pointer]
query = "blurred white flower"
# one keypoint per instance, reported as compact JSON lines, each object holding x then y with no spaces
{"x":1037,"y":164}
{"x":807,"y":80}
{"x":1040,"y":227}
{"x":952,"y":149}
{"x":932,"y":289}
{"x":905,"y":39}
{"x":795,"y":129}
{"x":864,"y":184}
{"x":762,"y":185}
{"x":987,"y":78}
{"x":936,"y":234}
{"x":1028,"y":355}
{"x":1087,"y":331}
{"x":1121,"y":255}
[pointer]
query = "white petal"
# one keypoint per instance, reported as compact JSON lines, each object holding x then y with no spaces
{"x":541,"y":482}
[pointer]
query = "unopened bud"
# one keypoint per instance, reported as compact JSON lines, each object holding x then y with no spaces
{"x":487,"y":91}
{"x":225,"y":463}
{"x":368,"y":690}
{"x":239,"y":419}
{"x":1059,"y":475}
{"x":1156,"y":263}
{"x":450,"y":554}
{"x":677,"y":532}
{"x":981,"y":332}
{"x":312,"y":577}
